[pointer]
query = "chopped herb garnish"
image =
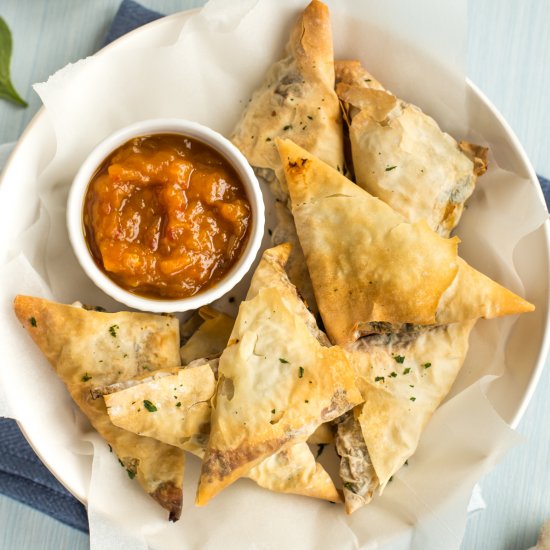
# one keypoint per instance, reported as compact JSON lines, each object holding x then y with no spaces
{"x":121,"y":463}
{"x":407,"y":370}
{"x":320,"y":449}
{"x":270,"y":232}
{"x":32,"y":321}
{"x":112,"y":330}
{"x":231,"y":299}
{"x":393,"y":374}
{"x":368,"y":80}
{"x":268,"y":139}
{"x":399,"y":359}
{"x":406,"y":462}
{"x":178,"y":404}
{"x":427,"y":365}
{"x":310,"y":117}
{"x":282,"y":360}
{"x":390,"y":480}
{"x":411,"y":385}
{"x":390,"y":168}
{"x":146,"y":367}
{"x":131,"y":473}
{"x":110,"y":448}
{"x":287,"y":127}
{"x":149,"y":406}
{"x":413,"y":398}
{"x":306,"y":401}
{"x":86,"y":377}
{"x":301,"y":372}
{"x":379,"y":379}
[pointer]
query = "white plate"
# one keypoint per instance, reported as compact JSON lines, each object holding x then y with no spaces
{"x":529,"y":341}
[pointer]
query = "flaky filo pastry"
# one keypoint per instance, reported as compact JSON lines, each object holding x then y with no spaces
{"x":371,"y":270}
{"x":276,"y":385}
{"x":90,"y":348}
{"x":297,"y":100}
{"x":401,"y":156}
{"x":180,"y":407}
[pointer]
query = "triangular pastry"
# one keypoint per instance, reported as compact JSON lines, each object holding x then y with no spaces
{"x":91,"y":348}
{"x":371,"y":270}
{"x":403,"y":379}
{"x":401,"y":156}
{"x":296,"y":100}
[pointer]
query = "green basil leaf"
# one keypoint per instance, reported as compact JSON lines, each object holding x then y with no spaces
{"x":7,"y":91}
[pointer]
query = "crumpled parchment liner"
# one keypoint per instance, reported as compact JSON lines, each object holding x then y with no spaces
{"x":208,"y":76}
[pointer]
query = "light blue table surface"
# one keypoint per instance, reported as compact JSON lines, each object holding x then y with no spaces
{"x":509,"y":59}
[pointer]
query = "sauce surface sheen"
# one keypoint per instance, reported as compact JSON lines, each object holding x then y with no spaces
{"x":166,"y":216}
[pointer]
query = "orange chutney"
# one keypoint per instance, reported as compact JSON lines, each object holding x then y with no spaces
{"x":166,"y":216}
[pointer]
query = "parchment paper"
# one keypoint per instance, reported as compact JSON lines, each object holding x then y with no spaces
{"x":417,"y":50}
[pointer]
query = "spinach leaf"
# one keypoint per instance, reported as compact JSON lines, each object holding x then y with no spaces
{"x":7,"y":91}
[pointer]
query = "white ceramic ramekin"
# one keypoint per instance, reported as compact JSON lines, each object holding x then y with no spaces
{"x":201,"y":133}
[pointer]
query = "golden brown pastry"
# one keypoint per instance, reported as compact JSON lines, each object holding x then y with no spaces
{"x":91,"y":348}
{"x":371,"y":270}
{"x":296,"y":100}
{"x":272,"y":272}
{"x":171,"y":405}
{"x":276,"y":385}
{"x":403,"y":379}
{"x":401,"y":156}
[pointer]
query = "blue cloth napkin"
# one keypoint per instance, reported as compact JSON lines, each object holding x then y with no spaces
{"x":545,"y":184}
{"x":22,"y":476}
{"x":130,"y":16}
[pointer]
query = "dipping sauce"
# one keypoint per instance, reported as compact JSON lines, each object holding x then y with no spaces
{"x":166,"y":216}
